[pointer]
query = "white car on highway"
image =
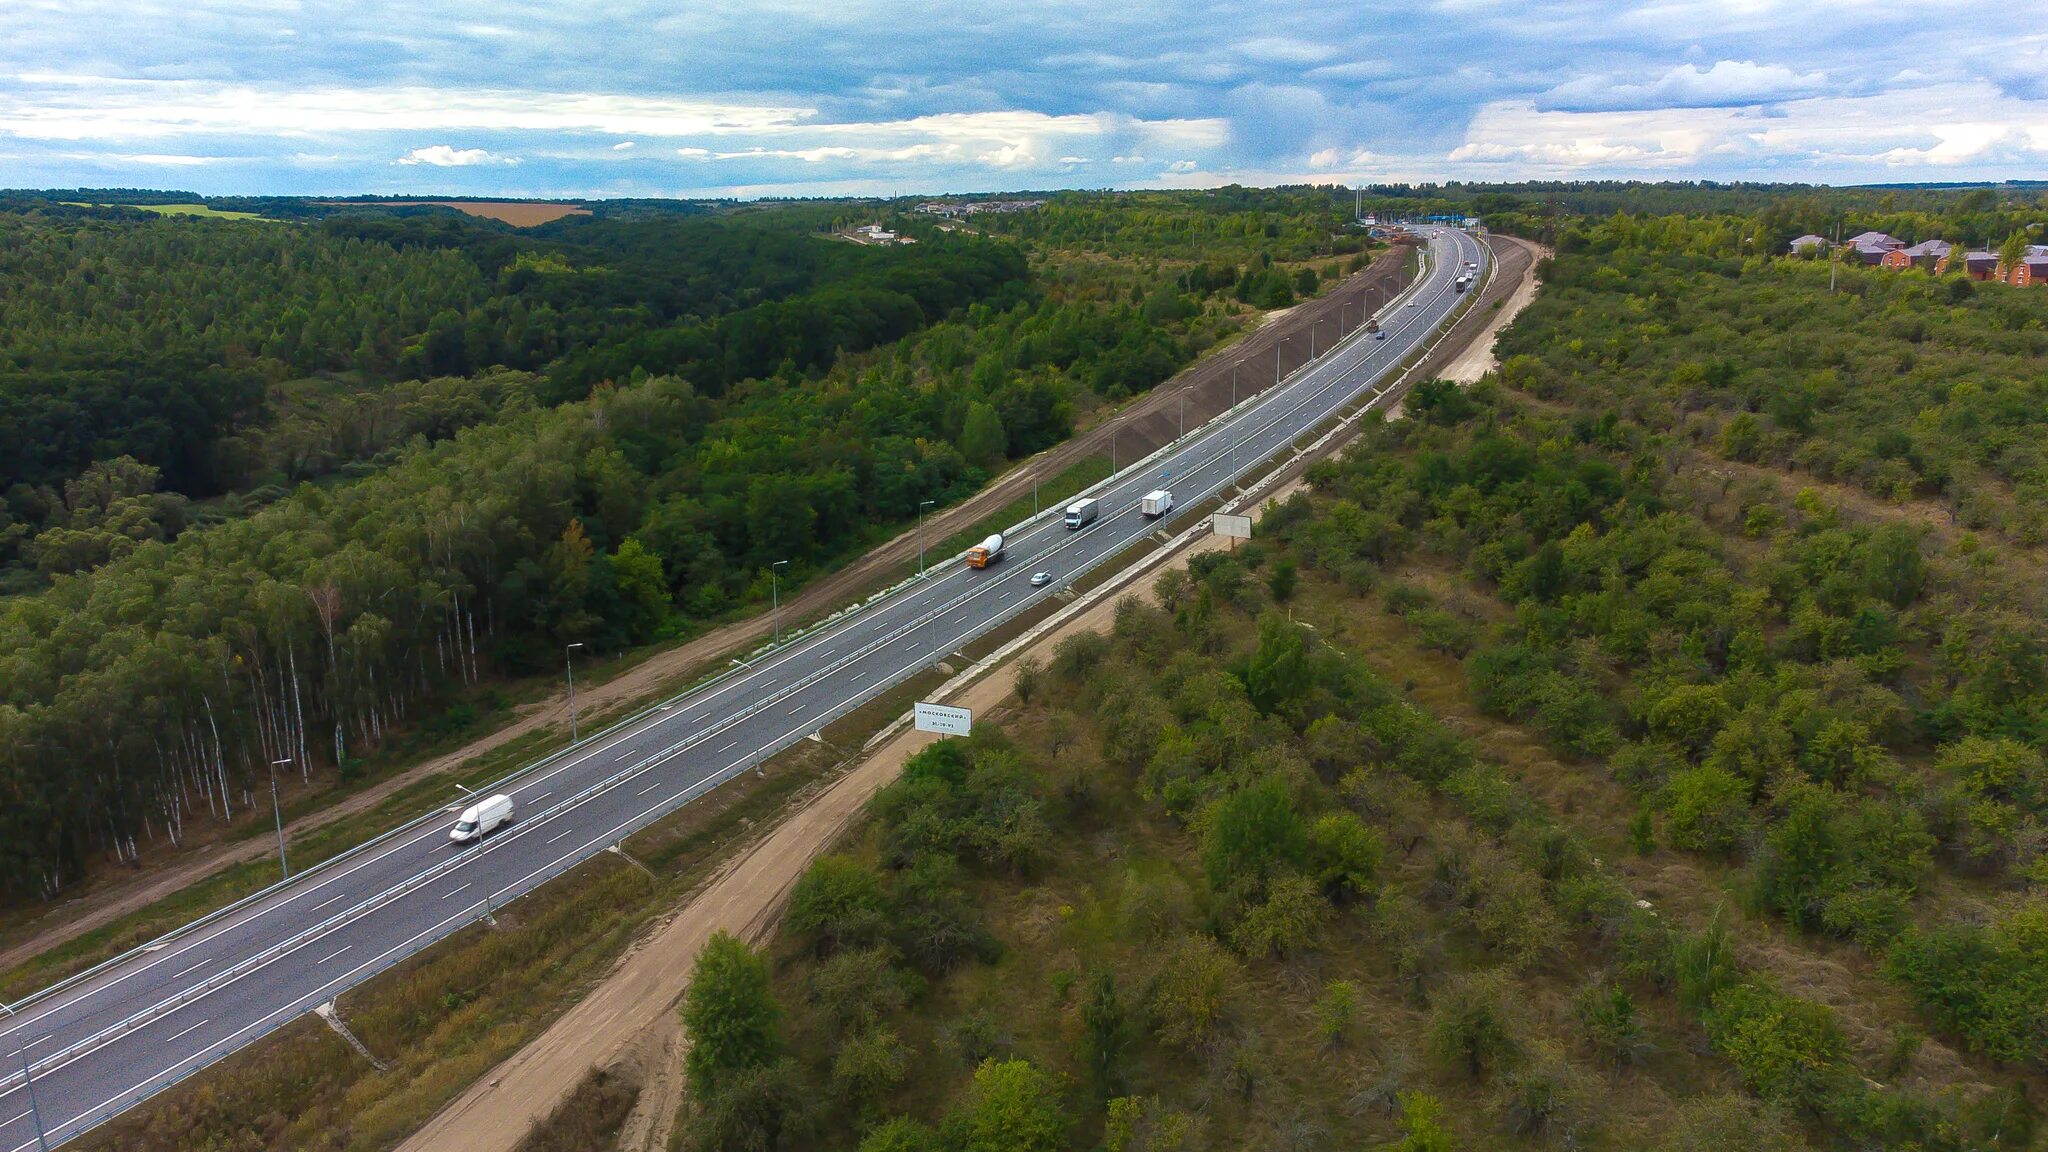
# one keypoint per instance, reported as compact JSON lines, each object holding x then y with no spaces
{"x":1040,"y":579}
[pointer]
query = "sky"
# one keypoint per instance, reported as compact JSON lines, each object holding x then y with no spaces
{"x":605,"y":98}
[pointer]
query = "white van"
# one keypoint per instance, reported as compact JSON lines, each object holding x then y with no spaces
{"x":481,"y":819}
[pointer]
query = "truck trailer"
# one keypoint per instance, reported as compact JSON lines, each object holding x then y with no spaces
{"x":1082,"y":513}
{"x":1158,"y":502}
{"x":986,"y":553}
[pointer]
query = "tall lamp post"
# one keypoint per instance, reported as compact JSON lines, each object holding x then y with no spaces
{"x":278,"y":814}
{"x":922,"y":505}
{"x":42,"y":1142}
{"x":569,"y":665}
{"x":775,"y":591}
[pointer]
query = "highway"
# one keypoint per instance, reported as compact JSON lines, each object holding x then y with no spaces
{"x":105,"y":1043}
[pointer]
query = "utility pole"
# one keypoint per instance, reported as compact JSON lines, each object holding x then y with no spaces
{"x":278,"y":814}
{"x":1183,"y":414}
{"x":775,"y":591}
{"x":1034,"y":489}
{"x":570,"y":665}
{"x":921,"y":506}
{"x":1233,"y":382}
{"x":42,"y":1141}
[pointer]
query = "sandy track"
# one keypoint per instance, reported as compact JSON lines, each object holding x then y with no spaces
{"x":1141,"y":427}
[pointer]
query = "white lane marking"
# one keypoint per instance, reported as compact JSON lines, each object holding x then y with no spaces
{"x":329,"y":900}
{"x":542,"y":796}
{"x":452,"y":891}
{"x":18,"y":1116}
{"x":192,"y":969}
{"x":650,"y":788}
{"x":173,"y":1039}
{"x":557,"y":836}
{"x":333,"y":954}
{"x":728,"y":744}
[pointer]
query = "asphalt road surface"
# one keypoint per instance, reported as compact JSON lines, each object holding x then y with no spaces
{"x":106,"y":1043}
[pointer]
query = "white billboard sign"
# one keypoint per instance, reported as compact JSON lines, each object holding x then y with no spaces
{"x":944,"y":720}
{"x":1231,"y":527}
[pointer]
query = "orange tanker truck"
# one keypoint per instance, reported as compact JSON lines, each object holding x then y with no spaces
{"x":986,"y":553}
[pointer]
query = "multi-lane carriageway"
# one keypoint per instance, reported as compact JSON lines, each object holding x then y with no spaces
{"x":97,"y":1046}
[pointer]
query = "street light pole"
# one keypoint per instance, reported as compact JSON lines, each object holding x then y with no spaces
{"x":775,"y":591}
{"x":1183,"y":414}
{"x":42,"y":1141}
{"x":1233,"y":382}
{"x":278,"y":814}
{"x":570,"y":665}
{"x":922,"y":505}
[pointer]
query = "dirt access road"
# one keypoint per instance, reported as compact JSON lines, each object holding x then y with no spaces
{"x":1142,"y":426}
{"x":629,"y":1018}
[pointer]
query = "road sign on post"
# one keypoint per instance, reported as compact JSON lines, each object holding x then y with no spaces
{"x":944,"y":720}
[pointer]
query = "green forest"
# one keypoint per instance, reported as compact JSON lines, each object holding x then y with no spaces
{"x":282,"y":490}
{"x":1727,"y":587}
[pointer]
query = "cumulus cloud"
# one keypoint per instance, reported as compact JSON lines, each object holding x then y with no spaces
{"x":897,"y":94}
{"x":448,"y":156}
{"x":1727,"y":84}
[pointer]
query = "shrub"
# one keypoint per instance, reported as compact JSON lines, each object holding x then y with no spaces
{"x":733,"y":1023}
{"x":1188,"y":997}
{"x":858,"y":989}
{"x":1334,"y":1011}
{"x":1468,"y":1028}
{"x":759,"y":1108}
{"x":868,"y":1067}
{"x":1252,"y":833}
{"x":1012,"y":1106}
{"x":1346,"y":854}
{"x":901,"y":1134}
{"x":1707,"y":810}
{"x":1608,"y":1014}
{"x":1289,"y":921}
{"x":838,"y":903}
{"x":1784,"y":1048}
{"x":1989,"y":983}
{"x":1422,"y":1125}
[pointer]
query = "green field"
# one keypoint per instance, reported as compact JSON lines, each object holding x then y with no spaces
{"x":175,"y":210}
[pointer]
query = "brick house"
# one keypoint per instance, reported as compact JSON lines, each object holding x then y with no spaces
{"x":1976,"y":265}
{"x":1870,"y":247}
{"x":1928,"y":254}
{"x":1809,"y":243}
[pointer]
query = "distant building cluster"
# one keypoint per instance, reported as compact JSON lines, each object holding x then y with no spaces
{"x":974,"y":207}
{"x":1938,"y":256}
{"x":876,"y":234}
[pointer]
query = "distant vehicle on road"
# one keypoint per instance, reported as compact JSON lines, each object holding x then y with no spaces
{"x":1158,"y":502}
{"x":986,"y":553}
{"x":1082,"y":513}
{"x":481,"y":819}
{"x":1415,"y":303}
{"x":1040,"y":579}
{"x":1379,"y":334}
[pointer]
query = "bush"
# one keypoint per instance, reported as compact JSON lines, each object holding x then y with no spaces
{"x":1707,"y":810}
{"x":1608,"y":1014}
{"x":1468,"y":1028}
{"x":1989,"y":983}
{"x":1188,"y":997}
{"x":1012,"y":1107}
{"x":868,"y":1067}
{"x":733,"y":1023}
{"x":756,"y":1110}
{"x":1784,"y":1048}
{"x":1289,"y":921}
{"x":1253,"y":833}
{"x":838,"y":903}
{"x":1841,"y":864}
{"x":1346,"y":854}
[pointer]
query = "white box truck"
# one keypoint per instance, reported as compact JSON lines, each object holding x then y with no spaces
{"x":1082,"y":513}
{"x":481,"y":819}
{"x":1158,"y":502}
